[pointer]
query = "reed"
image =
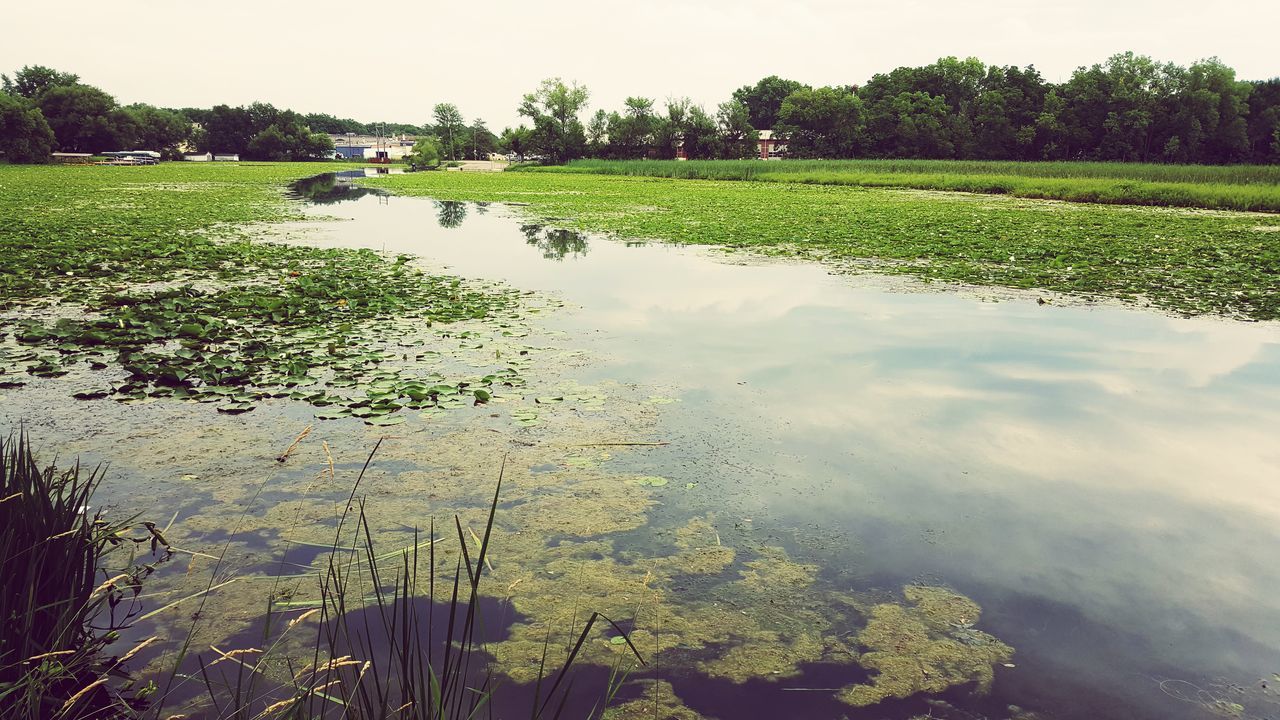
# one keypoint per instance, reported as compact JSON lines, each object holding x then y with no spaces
{"x":63,"y":605}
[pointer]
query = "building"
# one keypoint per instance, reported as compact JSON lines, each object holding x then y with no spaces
{"x":374,"y":148}
{"x":772,"y":147}
{"x":228,"y":157}
{"x":198,"y":157}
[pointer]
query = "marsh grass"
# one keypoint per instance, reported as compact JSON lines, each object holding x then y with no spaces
{"x":1229,"y":187}
{"x":62,"y":605}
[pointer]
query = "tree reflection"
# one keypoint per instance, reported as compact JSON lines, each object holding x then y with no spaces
{"x":327,"y":189}
{"x":555,"y":243}
{"x":450,"y":213}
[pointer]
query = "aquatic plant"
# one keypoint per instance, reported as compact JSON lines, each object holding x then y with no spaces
{"x":1221,"y":187}
{"x":927,"y":646}
{"x":1187,"y":261}
{"x":64,"y":601}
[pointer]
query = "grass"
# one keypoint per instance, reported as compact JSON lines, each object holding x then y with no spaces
{"x":156,"y":272}
{"x":1232,"y":187}
{"x":64,"y":601}
{"x":1185,"y":261}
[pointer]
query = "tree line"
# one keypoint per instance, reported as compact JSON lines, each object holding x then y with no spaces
{"x":1129,"y":108}
{"x":43,"y":110}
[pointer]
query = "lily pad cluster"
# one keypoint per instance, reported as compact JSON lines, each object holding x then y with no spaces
{"x":180,"y":307}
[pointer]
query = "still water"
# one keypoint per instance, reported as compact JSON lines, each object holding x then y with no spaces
{"x":1103,"y":481}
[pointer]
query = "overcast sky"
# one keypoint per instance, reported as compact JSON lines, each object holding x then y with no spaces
{"x":393,"y":60}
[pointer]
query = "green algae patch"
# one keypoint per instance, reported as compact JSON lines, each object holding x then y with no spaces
{"x":658,"y":701}
{"x":926,"y":646}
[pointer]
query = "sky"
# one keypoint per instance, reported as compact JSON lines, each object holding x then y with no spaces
{"x":394,"y":60}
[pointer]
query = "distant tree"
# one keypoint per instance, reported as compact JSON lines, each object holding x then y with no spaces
{"x":425,"y":153}
{"x":631,"y":132}
{"x":765,"y":98}
{"x":557,"y":131}
{"x":228,"y":130}
{"x":25,"y":137}
{"x":515,"y":141}
{"x":150,"y":128}
{"x":738,"y":139}
{"x":1264,"y":122}
{"x":821,"y":123}
{"x":289,"y":140}
{"x":80,"y":117}
{"x":598,"y":134}
{"x":482,"y":140}
{"x":33,"y":80}
{"x":450,"y":125}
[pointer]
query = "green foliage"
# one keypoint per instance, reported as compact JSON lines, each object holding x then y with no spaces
{"x":1186,"y":261}
{"x":33,"y":80}
{"x":558,"y":133}
{"x":821,"y":122}
{"x":426,"y":152}
{"x":25,"y":137}
{"x":144,"y":127}
{"x":81,"y":117}
{"x":764,"y":99}
{"x":290,"y":141}
{"x":451,"y":127}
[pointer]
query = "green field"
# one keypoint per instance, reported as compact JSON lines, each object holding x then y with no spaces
{"x":1230,"y":187}
{"x":159,"y":273}
{"x":1190,"y":261}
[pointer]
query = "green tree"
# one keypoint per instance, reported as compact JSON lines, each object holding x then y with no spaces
{"x":289,"y":140}
{"x":425,"y":153}
{"x":738,"y":139}
{"x":598,"y":134}
{"x":515,"y":141}
{"x":33,"y":80}
{"x":25,"y":137}
{"x":557,"y":131}
{"x":80,"y":117}
{"x":150,"y":128}
{"x":764,"y":99}
{"x":821,"y":123}
{"x":631,"y":132}
{"x":450,"y":125}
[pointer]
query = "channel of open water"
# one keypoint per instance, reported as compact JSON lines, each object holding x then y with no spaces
{"x":1104,"y":481}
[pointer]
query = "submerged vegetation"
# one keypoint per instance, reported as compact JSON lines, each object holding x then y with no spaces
{"x":150,"y":274}
{"x":1230,"y":187}
{"x":1180,"y":260}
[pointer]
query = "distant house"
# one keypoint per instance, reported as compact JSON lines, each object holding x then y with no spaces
{"x":131,"y":157}
{"x":227,"y":157}
{"x":772,"y":147}
{"x":198,"y":157}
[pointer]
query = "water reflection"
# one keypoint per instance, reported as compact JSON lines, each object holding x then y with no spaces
{"x":450,"y":214}
{"x":555,"y":243}
{"x":1102,"y":480}
{"x":332,"y":188}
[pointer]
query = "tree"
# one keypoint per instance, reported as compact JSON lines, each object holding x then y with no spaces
{"x":821,"y":123}
{"x":738,"y":139}
{"x":765,"y":98}
{"x":32,"y":81}
{"x":515,"y":141}
{"x":289,"y":140}
{"x":228,"y":130}
{"x":631,"y":133}
{"x":150,"y":128}
{"x":483,"y":141}
{"x":25,"y":137}
{"x":553,"y":107}
{"x":80,"y":117}
{"x":425,"y":153}
{"x":450,"y":125}
{"x":598,"y":133}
